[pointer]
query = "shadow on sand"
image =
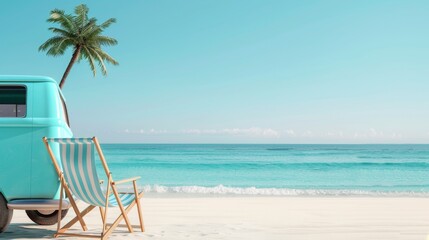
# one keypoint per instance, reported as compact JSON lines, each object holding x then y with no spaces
{"x":24,"y":231}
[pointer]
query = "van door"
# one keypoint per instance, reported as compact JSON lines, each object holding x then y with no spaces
{"x":16,"y":129}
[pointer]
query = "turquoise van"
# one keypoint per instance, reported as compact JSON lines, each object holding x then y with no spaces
{"x":31,"y":107}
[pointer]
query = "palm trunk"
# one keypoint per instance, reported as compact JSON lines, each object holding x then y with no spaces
{"x":72,"y":61}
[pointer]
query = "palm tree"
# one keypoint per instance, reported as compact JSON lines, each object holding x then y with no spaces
{"x":83,"y":35}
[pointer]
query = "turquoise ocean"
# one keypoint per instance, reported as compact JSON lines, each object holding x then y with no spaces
{"x":273,"y":170}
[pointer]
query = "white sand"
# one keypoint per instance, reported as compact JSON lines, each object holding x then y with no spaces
{"x":260,"y":218}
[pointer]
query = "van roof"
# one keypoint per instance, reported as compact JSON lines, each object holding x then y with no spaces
{"x":25,"y":78}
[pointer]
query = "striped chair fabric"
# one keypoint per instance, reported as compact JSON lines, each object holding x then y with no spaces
{"x":78,"y":162}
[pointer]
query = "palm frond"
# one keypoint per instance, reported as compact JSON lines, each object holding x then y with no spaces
{"x":91,"y":35}
{"x":107,"y":23}
{"x":55,"y":15}
{"x":86,"y":53}
{"x":100,"y":61}
{"x":50,"y":42}
{"x":105,"y":41}
{"x":62,"y":32}
{"x":81,"y":12}
{"x":107,"y":57}
{"x":90,"y":26}
{"x":57,"y":50}
{"x":94,"y":32}
{"x":65,"y":20}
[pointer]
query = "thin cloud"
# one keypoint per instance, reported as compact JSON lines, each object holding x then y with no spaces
{"x":253,"y":131}
{"x":290,"y":132}
{"x":307,"y":133}
{"x":145,"y":132}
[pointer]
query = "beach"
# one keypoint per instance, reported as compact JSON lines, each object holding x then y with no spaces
{"x":271,"y":192}
{"x":240,"y":217}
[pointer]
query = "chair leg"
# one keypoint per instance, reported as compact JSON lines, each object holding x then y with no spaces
{"x":106,"y":202}
{"x":101,"y":212}
{"x":139,"y":210}
{"x":103,"y":219}
{"x":80,"y":215}
{"x":76,"y":209}
{"x":119,"y":219}
{"x":60,"y":208}
{"x":127,"y":221}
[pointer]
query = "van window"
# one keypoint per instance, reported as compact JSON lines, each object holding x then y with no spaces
{"x":13,"y":101}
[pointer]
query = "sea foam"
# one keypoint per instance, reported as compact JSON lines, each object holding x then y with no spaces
{"x":253,"y":191}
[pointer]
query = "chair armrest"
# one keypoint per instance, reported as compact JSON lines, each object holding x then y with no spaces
{"x":126,"y":180}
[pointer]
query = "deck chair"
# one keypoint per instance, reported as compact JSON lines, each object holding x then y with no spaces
{"x":79,"y":179}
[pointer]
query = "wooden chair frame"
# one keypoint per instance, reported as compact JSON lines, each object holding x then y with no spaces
{"x":111,"y":186}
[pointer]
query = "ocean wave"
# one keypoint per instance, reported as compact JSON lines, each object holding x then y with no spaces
{"x":296,"y":165}
{"x":253,"y":191}
{"x":392,"y":157}
{"x":279,"y":149}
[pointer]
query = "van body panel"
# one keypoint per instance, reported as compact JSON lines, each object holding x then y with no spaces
{"x":16,"y":135}
{"x":15,"y":158}
{"x":27,"y":170}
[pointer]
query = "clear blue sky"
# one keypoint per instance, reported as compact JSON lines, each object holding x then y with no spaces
{"x":242,"y":71}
